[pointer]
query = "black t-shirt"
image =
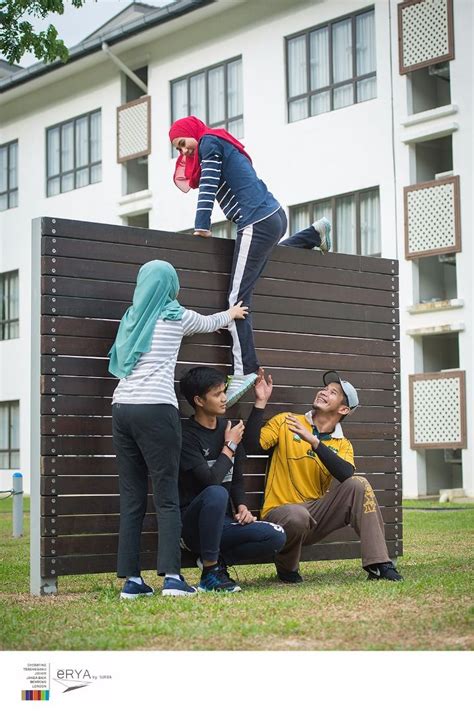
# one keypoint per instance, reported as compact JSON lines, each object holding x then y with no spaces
{"x":203,"y":463}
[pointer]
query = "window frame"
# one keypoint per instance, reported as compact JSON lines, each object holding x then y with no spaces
{"x":331,"y":86}
{"x":74,"y":171}
{"x":5,"y":306}
{"x":226,"y":226}
{"x":10,"y":190}
{"x":356,"y":194}
{"x":9,"y":450}
{"x":206,"y":70}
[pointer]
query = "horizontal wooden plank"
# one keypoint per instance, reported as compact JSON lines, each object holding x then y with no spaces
{"x":316,"y":343}
{"x":93,"y":563}
{"x":254,"y":481}
{"x":220,"y":354}
{"x":108,"y":543}
{"x":69,"y":431}
{"x":297,"y":400}
{"x":374,"y":388}
{"x":109,"y":504}
{"x":124,"y":236}
{"x":192,"y":283}
{"x":102,"y":445}
{"x":106,"y":466}
{"x":320,"y":273}
{"x":70,"y":524}
{"x":271,"y":308}
{"x":292,"y":323}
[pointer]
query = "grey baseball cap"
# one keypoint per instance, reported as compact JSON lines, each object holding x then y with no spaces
{"x":349,"y":391}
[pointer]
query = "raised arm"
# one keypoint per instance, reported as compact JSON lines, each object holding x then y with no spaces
{"x":194,"y":323}
{"x":259,"y":438}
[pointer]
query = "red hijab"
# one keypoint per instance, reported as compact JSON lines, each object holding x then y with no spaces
{"x":188,"y":169}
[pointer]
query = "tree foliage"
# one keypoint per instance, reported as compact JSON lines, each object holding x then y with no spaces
{"x":18,"y":36}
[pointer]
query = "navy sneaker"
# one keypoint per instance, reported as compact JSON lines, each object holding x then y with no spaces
{"x":131,"y":589}
{"x":289,"y":576}
{"x":217,"y":579}
{"x":385,"y":571}
{"x":177,"y":587}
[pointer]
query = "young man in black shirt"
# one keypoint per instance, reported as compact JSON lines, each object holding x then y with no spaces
{"x":217,"y":524}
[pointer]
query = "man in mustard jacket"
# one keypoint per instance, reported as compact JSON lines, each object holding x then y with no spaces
{"x":309,"y":454}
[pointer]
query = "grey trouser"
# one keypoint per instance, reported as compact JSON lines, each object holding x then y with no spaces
{"x":351,"y":502}
{"x":147,"y":441}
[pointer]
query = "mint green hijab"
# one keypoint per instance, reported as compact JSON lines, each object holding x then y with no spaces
{"x":154,"y":298}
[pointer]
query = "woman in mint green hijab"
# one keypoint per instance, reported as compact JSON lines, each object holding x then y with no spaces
{"x":154,"y":298}
{"x":146,"y":424}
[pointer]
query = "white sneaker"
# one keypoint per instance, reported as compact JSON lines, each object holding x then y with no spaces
{"x":237,"y":386}
{"x":323,"y":227}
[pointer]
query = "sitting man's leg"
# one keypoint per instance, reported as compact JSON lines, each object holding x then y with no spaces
{"x":201,"y":533}
{"x":297,"y":522}
{"x":255,"y":542}
{"x":353,"y":502}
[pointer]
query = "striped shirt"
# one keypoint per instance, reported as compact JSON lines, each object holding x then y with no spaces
{"x":152,"y":378}
{"x":228,"y":177}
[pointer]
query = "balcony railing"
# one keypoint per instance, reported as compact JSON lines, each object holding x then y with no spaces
{"x":438,"y":410}
{"x":432,"y":218}
{"x":425,"y":33}
{"x":133,"y":129}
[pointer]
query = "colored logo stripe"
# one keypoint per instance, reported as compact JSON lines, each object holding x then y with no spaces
{"x":35,"y":695}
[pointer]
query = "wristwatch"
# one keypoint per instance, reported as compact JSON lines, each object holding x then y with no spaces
{"x":231,"y":445}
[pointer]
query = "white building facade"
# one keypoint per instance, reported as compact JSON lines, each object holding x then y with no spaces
{"x":336,"y":124}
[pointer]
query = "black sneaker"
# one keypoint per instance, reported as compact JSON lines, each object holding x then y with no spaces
{"x":383,"y":571}
{"x":217,"y":579}
{"x":289,"y":576}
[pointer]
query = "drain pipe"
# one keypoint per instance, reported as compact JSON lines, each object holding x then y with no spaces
{"x":123,"y":67}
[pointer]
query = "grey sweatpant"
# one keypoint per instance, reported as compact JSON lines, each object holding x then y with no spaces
{"x":351,"y":502}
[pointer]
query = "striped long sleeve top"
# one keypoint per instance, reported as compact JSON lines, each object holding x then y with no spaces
{"x":228,"y":177}
{"x":152,"y":378}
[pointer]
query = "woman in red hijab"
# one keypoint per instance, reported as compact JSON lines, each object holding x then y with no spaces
{"x":216,"y":163}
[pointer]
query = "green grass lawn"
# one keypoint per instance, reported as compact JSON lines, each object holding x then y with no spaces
{"x":335,"y":608}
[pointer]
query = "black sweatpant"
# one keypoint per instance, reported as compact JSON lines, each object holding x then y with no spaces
{"x":253,"y":247}
{"x":147,"y":441}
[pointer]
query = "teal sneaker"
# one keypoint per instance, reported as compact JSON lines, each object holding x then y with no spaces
{"x":237,"y":386}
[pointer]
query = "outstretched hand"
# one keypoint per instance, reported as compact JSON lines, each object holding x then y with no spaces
{"x":263,"y":388}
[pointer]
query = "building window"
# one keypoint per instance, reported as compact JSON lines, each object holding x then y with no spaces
{"x":214,"y":95}
{"x":355,"y":219}
{"x":73,"y":150}
{"x":331,"y":66}
{"x":9,"y":435}
{"x":9,"y":305}
{"x":226,"y":229}
{"x":9,"y":175}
